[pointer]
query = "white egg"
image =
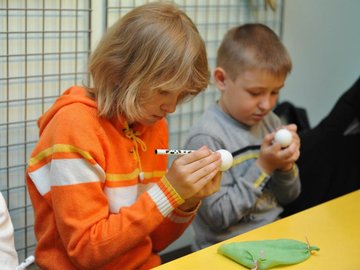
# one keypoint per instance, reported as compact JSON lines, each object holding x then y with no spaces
{"x":226,"y":158}
{"x":283,"y":137}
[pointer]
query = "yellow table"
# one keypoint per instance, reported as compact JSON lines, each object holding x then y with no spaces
{"x":333,"y":226}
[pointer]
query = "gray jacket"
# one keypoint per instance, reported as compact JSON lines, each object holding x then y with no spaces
{"x":248,"y":198}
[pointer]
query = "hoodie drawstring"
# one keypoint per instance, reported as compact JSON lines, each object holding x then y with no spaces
{"x":129,"y":133}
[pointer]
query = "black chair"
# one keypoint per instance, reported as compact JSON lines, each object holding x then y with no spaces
{"x":329,"y":154}
{"x":289,"y":113}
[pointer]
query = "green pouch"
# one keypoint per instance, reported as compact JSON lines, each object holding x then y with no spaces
{"x":266,"y":254}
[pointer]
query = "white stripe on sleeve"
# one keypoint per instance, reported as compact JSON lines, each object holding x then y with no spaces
{"x":61,"y":172}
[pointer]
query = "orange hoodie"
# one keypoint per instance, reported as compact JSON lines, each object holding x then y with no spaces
{"x":92,"y":210}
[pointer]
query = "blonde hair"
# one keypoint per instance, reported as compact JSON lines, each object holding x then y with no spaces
{"x":253,"y":46}
{"x":154,"y":47}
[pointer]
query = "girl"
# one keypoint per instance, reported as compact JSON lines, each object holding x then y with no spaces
{"x":102,"y":199}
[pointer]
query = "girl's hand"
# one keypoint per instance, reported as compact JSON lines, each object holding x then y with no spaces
{"x":195,"y":174}
{"x":210,"y":188}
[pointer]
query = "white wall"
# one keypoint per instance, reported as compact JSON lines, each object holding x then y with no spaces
{"x":323,"y":38}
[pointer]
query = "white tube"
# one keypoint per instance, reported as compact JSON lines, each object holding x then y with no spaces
{"x":28,"y":261}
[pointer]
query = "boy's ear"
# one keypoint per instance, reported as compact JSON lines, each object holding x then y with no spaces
{"x":220,"y":78}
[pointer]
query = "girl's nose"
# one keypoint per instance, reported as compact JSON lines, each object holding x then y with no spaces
{"x":169,"y":106}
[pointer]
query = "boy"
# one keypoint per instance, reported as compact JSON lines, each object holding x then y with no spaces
{"x":252,"y":65}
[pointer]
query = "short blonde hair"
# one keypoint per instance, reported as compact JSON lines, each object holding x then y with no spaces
{"x":253,"y":46}
{"x":155,"y":46}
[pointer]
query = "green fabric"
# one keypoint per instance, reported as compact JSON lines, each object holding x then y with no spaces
{"x":267,"y":254}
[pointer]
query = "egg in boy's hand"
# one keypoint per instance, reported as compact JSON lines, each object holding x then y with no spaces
{"x":283,"y":137}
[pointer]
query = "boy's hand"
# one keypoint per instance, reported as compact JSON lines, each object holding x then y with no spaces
{"x":273,"y":157}
{"x":195,"y":174}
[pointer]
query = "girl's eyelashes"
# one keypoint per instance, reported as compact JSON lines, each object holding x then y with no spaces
{"x":163,"y":92}
{"x":181,"y":95}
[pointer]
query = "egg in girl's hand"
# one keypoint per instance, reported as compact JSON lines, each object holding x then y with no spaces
{"x":283,"y":137}
{"x":226,"y":159}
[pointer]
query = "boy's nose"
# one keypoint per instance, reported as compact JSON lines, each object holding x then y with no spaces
{"x":265,"y":104}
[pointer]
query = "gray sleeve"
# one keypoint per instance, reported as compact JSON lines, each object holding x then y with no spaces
{"x":238,"y":192}
{"x":286,"y":186}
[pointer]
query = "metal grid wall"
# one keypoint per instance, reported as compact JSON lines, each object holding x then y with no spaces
{"x":44,"y":50}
